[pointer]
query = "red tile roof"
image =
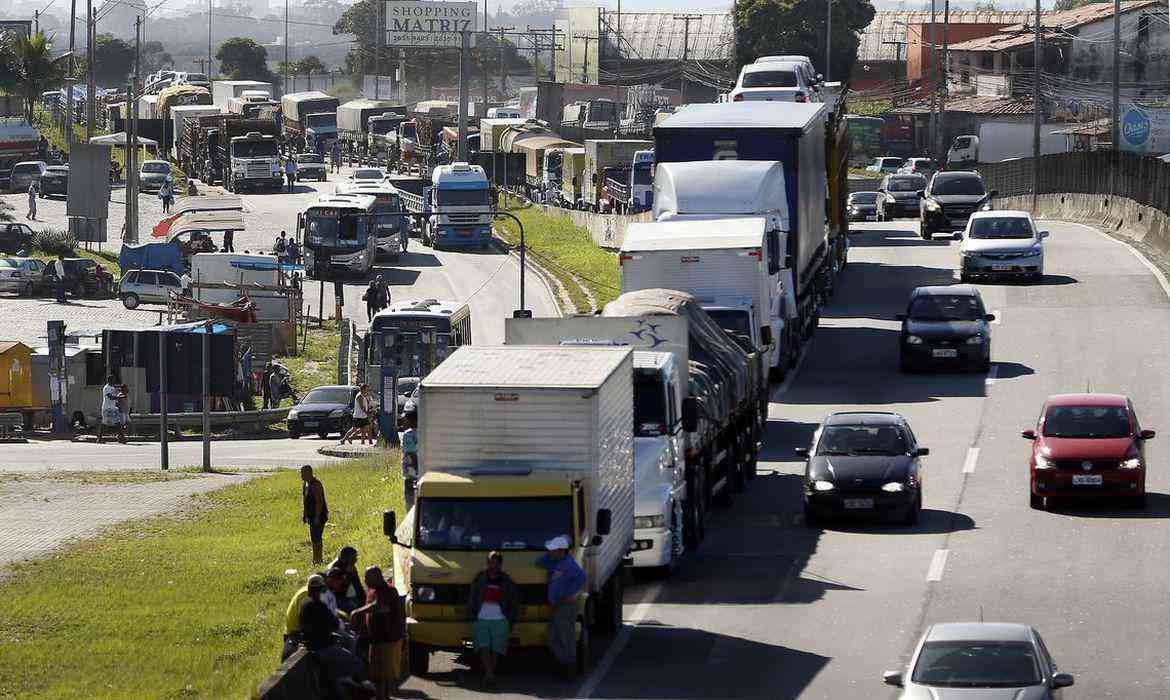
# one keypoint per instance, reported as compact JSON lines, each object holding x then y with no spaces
{"x":976,"y":104}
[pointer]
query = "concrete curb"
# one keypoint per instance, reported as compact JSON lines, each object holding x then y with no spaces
{"x":541,"y":274}
{"x":352,"y":451}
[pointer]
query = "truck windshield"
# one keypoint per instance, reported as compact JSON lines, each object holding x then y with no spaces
{"x":255,"y":149}
{"x":318,"y":121}
{"x":408,"y":131}
{"x":650,"y":419}
{"x":382,"y":126}
{"x":732,"y":320}
{"x":463,"y":198}
{"x":484,"y":524}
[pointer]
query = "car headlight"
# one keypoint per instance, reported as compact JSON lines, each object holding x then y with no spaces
{"x":649,"y":522}
{"x":1044,"y":463}
{"x":1131,"y":463}
{"x":424,"y":594}
{"x":931,"y":205}
{"x":337,"y":413}
{"x":985,"y":207}
{"x":894,"y":487}
{"x":913,"y":340}
{"x":822,"y":485}
{"x":293,"y":415}
{"x":975,"y":340}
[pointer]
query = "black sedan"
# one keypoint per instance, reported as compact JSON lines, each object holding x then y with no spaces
{"x":945,"y":327}
{"x":55,"y":180}
{"x":863,"y":464}
{"x":324,"y":410}
{"x":862,"y":206}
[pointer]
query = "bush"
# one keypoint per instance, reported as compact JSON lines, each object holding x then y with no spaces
{"x":54,"y":242}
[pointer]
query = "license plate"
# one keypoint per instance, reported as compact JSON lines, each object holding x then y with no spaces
{"x":1001,"y":267}
{"x":310,"y":424}
{"x":858,"y":503}
{"x":945,"y":352}
{"x":1086,"y":479}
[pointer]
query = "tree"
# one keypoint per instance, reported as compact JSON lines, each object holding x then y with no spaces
{"x":113,"y":60}
{"x":27,"y":69}
{"x":309,"y":64}
{"x":243,"y":59}
{"x":155,"y":57}
{"x":769,"y":27}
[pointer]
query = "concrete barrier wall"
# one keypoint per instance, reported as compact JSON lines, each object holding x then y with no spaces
{"x":607,"y":230}
{"x":1119,"y":216}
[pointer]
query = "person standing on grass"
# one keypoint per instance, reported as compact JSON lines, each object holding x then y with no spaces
{"x":32,"y":202}
{"x":492,"y":608}
{"x":315,"y":510}
{"x":382,"y":621}
{"x":566,"y":579}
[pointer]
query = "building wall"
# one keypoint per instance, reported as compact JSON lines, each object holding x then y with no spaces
{"x":919,"y":61}
{"x":873,"y":74}
{"x":1145,"y":55}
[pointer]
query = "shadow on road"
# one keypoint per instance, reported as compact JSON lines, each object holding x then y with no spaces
{"x":416,"y":259}
{"x":931,"y":522}
{"x":1157,"y":506}
{"x":893,"y":238}
{"x":1011,"y":370}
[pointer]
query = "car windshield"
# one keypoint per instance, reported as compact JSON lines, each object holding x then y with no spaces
{"x":862,"y":440}
{"x":906,"y":184}
{"x":649,"y":405}
{"x":1001,"y":227}
{"x":9,"y":263}
{"x":26,"y":168}
{"x":156,"y":168}
{"x":1087,"y":422}
{"x":484,"y":524}
{"x":368,"y":174}
{"x":946,"y":307}
{"x":863,"y":197}
{"x":976,"y":664}
{"x":406,"y":385}
{"x":889,"y":162}
{"x":340,"y":396}
{"x":958,"y":185}
{"x":310,"y":158}
{"x":770,"y":79}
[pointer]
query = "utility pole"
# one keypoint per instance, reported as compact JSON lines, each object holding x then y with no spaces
{"x":585,"y":63}
{"x":90,"y":83}
{"x":682,"y":78}
{"x":72,"y":75}
{"x":464,"y":78}
{"x":201,"y":62}
{"x":1116,"y":121}
{"x":132,"y":141}
{"x":944,"y":71}
{"x":1036,"y":112}
{"x":210,"y":67}
{"x":828,"y":39}
{"x":284,"y":84}
{"x":933,"y":82}
{"x":36,"y":21}
{"x":503,"y":62}
{"x":483,"y":65}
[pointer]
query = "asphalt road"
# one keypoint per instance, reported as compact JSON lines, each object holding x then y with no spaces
{"x":771,"y":608}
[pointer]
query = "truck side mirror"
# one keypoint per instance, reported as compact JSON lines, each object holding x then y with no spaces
{"x":690,"y":414}
{"x":389,"y":525}
{"x":766,"y":335}
{"x":604,"y":521}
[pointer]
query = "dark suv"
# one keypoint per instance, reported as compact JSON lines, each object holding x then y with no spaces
{"x":83,"y":277}
{"x":899,"y":196}
{"x":950,"y":200}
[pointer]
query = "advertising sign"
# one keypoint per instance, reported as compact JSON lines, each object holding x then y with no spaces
{"x":89,"y":182}
{"x":1145,"y":130}
{"x":429,"y":24}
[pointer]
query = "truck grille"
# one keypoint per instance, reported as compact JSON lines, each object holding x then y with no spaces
{"x":463,"y":218}
{"x":258,"y":170}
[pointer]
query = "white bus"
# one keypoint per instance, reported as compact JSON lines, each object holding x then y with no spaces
{"x":338,"y":235}
{"x":391,"y":231}
{"x":412,"y":337}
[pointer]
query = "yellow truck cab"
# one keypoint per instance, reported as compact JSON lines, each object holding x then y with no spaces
{"x":513,"y":457}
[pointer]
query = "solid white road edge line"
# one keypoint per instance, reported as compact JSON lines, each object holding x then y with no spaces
{"x":972,"y":458}
{"x":937,"y":564}
{"x":619,"y":643}
{"x":1158,"y":275}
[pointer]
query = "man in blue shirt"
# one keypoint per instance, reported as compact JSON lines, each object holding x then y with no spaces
{"x":566,"y":579}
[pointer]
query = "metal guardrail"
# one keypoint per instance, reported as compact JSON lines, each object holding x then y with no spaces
{"x":256,"y":419}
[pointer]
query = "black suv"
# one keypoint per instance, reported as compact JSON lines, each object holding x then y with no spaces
{"x":83,"y":277}
{"x":899,"y":196}
{"x":950,"y":199}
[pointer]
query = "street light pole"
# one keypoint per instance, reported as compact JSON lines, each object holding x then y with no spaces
{"x":209,"y":68}
{"x":828,"y":39}
{"x":284,"y":86}
{"x":1036,"y":49}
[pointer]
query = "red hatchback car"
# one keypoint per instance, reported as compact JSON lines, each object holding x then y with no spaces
{"x":1088,"y":446}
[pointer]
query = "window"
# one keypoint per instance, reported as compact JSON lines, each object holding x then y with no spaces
{"x":169,"y":278}
{"x":977,"y":664}
{"x":484,"y":524}
{"x":960,"y":185}
{"x":773,"y":242}
{"x":1087,"y":422}
{"x":154,"y":166}
{"x":908,"y":183}
{"x":146,"y":277}
{"x":650,"y":417}
{"x":328,"y":395}
{"x":1001,"y":227}
{"x":770,"y":79}
{"x":462,"y":198}
{"x":946,"y":307}
{"x":862,"y":440}
{"x":95,"y":369}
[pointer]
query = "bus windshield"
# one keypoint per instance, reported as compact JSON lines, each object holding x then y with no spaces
{"x":324,"y":228}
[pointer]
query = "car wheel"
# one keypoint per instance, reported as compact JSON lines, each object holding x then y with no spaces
{"x":293,"y":434}
{"x":1037,"y":502}
{"x":130,"y":301}
{"x":77,"y":421}
{"x":28,"y":290}
{"x":914,"y":511}
{"x":323,"y":434}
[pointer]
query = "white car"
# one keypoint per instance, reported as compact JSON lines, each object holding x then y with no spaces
{"x":885,"y":164}
{"x":775,"y":81}
{"x":21,"y":275}
{"x":1001,"y":244}
{"x":368,"y":175}
{"x":148,"y":286}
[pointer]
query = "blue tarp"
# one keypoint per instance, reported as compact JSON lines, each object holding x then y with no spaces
{"x":152,"y":256}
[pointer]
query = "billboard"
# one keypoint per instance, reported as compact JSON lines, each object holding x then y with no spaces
{"x":429,"y":24}
{"x":1145,"y":130}
{"x":89,"y":182}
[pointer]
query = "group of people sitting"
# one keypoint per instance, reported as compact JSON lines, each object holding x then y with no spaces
{"x":354,"y":624}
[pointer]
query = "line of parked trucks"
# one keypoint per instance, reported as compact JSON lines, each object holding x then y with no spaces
{"x":622,"y":430}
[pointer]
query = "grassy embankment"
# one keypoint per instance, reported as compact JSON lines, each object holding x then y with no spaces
{"x":567,"y":252}
{"x":188,"y":606}
{"x":317,"y":366}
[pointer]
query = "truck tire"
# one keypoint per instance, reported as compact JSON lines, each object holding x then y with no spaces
{"x":419,"y":658}
{"x":694,"y":514}
{"x":611,"y":613}
{"x":726,"y":497}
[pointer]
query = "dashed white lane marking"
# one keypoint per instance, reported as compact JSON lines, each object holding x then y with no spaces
{"x":619,"y":643}
{"x":972,"y":459}
{"x":937,"y":565}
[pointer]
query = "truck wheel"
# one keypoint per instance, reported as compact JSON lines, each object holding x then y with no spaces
{"x":77,"y":420}
{"x":612,"y":614}
{"x":419,"y":658}
{"x":28,"y":290}
{"x":696,"y":513}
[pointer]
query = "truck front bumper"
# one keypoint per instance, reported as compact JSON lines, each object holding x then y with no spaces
{"x":651,"y":547}
{"x":472,"y":236}
{"x":456,"y":636}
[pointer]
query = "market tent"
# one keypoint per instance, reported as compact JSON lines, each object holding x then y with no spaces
{"x":119,"y":139}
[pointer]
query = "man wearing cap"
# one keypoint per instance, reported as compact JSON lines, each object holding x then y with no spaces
{"x":565,"y":581}
{"x":492,"y":606}
{"x":319,"y":626}
{"x":292,"y":615}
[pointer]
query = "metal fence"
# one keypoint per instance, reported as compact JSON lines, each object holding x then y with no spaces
{"x":1142,"y":179}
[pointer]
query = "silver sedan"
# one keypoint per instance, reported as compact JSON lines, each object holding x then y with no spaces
{"x":980,"y":661}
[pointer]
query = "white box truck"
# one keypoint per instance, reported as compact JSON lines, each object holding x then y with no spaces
{"x":999,"y":141}
{"x":520,"y":444}
{"x":224,"y":91}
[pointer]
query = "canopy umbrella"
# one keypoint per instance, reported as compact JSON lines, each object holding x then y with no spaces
{"x":119,"y":139}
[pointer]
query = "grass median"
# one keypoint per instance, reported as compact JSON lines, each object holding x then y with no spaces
{"x":567,"y":252}
{"x":186,"y":606}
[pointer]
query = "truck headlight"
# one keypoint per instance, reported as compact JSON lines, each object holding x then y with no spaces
{"x":931,"y":205}
{"x":649,"y":522}
{"x":424,"y":594}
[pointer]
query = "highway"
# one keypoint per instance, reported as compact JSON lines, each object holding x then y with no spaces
{"x":770,"y":608}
